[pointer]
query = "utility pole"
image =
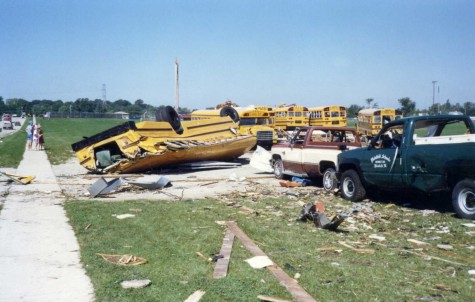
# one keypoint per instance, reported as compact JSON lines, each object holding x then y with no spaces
{"x":177,"y":95}
{"x":104,"y":97}
{"x":433,"y":93}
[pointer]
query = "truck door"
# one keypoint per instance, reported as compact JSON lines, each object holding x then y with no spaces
{"x":293,"y":162}
{"x":383,"y":161}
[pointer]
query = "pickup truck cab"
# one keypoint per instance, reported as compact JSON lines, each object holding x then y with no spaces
{"x":426,"y":153}
{"x":312,"y":152}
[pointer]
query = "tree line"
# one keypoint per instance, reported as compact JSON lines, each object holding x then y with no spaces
{"x":139,"y":107}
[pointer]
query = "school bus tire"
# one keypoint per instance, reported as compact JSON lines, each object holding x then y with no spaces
{"x":168,"y":114}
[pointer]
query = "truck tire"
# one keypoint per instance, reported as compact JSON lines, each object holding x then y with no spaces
{"x":351,"y":187}
{"x":330,"y":182}
{"x":278,"y":169}
{"x":463,"y":198}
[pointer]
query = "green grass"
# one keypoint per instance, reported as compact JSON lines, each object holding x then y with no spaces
{"x":169,"y":234}
{"x":61,"y":133}
{"x":12,"y":148}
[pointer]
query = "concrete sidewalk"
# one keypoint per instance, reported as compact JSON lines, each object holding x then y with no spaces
{"x":39,"y":253}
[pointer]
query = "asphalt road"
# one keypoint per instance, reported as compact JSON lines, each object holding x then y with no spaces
{"x":6,"y":132}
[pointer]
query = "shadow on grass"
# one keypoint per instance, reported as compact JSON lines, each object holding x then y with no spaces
{"x":440,"y":202}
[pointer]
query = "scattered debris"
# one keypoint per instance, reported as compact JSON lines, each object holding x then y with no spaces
{"x":285,"y":280}
{"x":201,"y":256}
{"x":377,"y":237}
{"x":444,"y":287}
{"x":417,"y":242}
{"x":469,"y":225}
{"x":428,"y":257}
{"x":359,"y":251}
{"x":235,"y":177}
{"x":124,"y":216}
{"x":203,"y":165}
{"x":471,"y":272}
{"x":221,"y":268}
{"x":289,"y":184}
{"x":196,"y":296}
{"x":135,"y":283}
{"x":151,"y":182}
{"x":303,"y":181}
{"x":259,"y":262}
{"x":128,"y":260}
{"x":261,"y":160}
{"x":102,"y":186}
{"x":271,"y":299}
{"x":316,"y":213}
{"x":23,"y":180}
{"x":446,"y":247}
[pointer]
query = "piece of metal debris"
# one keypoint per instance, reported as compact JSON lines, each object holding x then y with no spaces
{"x":23,"y":180}
{"x":135,"y":283}
{"x":151,"y":183}
{"x":203,"y":165}
{"x":102,"y":186}
{"x":316,"y":213}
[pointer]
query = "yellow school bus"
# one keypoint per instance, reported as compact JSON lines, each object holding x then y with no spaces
{"x":328,"y":116}
{"x":255,"y":120}
{"x":371,"y":120}
{"x":290,"y":117}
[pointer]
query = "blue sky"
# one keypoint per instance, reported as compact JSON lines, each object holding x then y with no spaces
{"x":260,"y":52}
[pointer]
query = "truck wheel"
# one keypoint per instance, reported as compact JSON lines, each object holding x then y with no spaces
{"x":463,"y":198}
{"x":278,"y":169}
{"x":330,"y":182}
{"x":351,"y":187}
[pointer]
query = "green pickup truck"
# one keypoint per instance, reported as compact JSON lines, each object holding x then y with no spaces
{"x":427,"y":153}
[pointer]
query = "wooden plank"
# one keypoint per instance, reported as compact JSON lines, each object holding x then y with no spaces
{"x":271,"y":299}
{"x":196,"y":296}
{"x":290,"y":284}
{"x":221,"y":268}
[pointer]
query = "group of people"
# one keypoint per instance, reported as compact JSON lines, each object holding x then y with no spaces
{"x":35,"y":136}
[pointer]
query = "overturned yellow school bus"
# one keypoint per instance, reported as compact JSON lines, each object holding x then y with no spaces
{"x":145,"y":146}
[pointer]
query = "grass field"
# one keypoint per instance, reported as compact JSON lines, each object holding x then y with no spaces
{"x":12,"y":148}
{"x":61,"y":133}
{"x":168,"y":234}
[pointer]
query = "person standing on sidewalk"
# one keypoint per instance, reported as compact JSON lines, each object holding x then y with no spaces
{"x":29,"y":132}
{"x":41,"y":138}
{"x":35,"y":136}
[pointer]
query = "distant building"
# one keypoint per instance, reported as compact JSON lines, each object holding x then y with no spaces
{"x":121,"y":114}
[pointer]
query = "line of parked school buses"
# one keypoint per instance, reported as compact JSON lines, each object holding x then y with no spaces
{"x":267,"y":122}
